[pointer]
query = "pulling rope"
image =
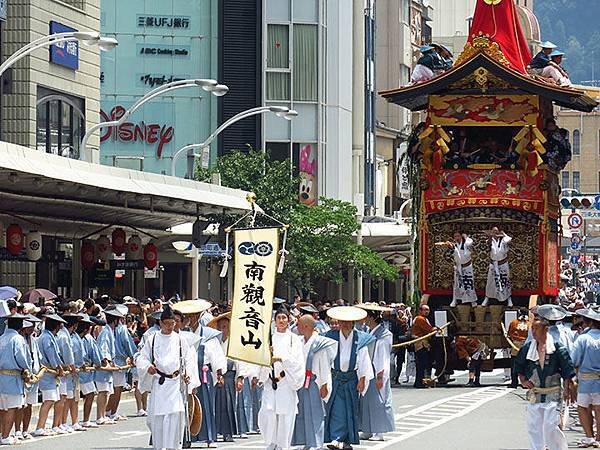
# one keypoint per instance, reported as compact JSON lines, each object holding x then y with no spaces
{"x":422,"y":338}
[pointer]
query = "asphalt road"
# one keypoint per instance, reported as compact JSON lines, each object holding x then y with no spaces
{"x":457,"y":418}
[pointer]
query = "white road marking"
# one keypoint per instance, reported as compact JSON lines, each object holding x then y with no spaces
{"x":129,"y":434}
{"x":460,"y":405}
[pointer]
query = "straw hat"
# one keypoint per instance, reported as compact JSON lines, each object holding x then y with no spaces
{"x":551,"y":312}
{"x":213,"y":323}
{"x":374,"y":307}
{"x":306,"y":307}
{"x":588,"y":313}
{"x":192,"y":306}
{"x":346,"y":313}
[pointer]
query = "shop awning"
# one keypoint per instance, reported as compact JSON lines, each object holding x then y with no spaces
{"x":69,"y":197}
{"x":390,"y":239}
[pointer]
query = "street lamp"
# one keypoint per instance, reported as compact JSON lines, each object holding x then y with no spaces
{"x":280,"y":111}
{"x":85,"y":37}
{"x":208,"y":85}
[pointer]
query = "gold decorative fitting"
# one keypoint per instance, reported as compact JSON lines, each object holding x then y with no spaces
{"x":493,"y":2}
{"x":481,"y":79}
{"x":482,"y":44}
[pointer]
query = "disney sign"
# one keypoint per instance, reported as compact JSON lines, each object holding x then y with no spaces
{"x":136,"y":132}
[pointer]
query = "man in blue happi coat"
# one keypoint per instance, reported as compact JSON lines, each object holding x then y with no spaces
{"x":586,"y":359}
{"x":351,"y":374}
{"x":319,"y":354}
{"x":14,"y":359}
{"x":67,"y":386}
{"x":376,"y":412}
{"x":49,"y":382}
{"x":125,"y":349}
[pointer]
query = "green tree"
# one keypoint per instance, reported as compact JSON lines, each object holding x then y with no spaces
{"x":321,"y":239}
{"x":253,"y":171}
{"x":322,"y":246}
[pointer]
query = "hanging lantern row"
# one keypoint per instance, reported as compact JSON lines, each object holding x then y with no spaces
{"x":15,"y":240}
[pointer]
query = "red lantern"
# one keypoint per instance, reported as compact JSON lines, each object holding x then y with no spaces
{"x":103,"y":247}
{"x":150,"y":256}
{"x":88,"y":255}
{"x":15,"y":240}
{"x":118,"y":241}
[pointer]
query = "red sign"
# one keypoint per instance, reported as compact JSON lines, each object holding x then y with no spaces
{"x":88,"y":255}
{"x":136,"y":132}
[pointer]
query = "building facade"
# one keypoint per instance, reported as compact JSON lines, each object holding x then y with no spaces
{"x":583,"y":172}
{"x":50,"y":97}
{"x":159,"y":42}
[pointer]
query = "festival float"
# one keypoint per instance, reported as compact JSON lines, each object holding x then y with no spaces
{"x":482,"y":157}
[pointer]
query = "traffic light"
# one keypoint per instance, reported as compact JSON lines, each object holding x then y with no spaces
{"x":581,"y":202}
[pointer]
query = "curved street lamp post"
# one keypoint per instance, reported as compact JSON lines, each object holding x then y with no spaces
{"x":280,"y":111}
{"x":209,"y":85}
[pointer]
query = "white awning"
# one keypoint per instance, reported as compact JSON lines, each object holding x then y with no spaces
{"x":67,"y":196}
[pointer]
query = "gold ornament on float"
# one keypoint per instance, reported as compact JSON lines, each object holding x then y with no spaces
{"x":493,"y":2}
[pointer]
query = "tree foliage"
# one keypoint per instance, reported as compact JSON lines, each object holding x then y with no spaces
{"x":321,"y":239}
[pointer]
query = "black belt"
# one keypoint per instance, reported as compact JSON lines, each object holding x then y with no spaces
{"x":164,"y":376}
{"x":275,"y":380}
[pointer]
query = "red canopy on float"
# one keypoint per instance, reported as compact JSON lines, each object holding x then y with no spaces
{"x":498,"y":19}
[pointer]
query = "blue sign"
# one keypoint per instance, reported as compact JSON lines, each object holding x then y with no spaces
{"x":574,"y":259}
{"x":64,"y":54}
{"x":209,"y":250}
{"x":597,"y":202}
{"x":575,"y":245}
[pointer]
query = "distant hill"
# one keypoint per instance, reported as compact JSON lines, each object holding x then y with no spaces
{"x":573,"y":26}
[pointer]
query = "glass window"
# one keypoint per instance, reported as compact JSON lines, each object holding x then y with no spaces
{"x":278,"y":151}
{"x":565,"y":180}
{"x":576,"y":181}
{"x":305,"y":63}
{"x":576,"y":142}
{"x":405,"y":6}
{"x":60,"y":123}
{"x":278,"y":86}
{"x":278,"y":48}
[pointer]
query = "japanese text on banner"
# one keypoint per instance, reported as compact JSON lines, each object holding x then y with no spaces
{"x":255,"y":256}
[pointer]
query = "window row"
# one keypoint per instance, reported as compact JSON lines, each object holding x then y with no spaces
{"x":566,"y":180}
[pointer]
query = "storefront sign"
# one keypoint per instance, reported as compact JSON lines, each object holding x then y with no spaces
{"x":308,"y":174}
{"x":126,"y":264}
{"x":256,"y":253}
{"x":104,"y":278}
{"x":182,"y":51}
{"x":157,"y":79}
{"x":163,"y":21}
{"x":154,"y":133}
{"x":64,"y":54}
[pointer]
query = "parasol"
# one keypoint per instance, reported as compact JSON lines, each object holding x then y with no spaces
{"x":34,"y":295}
{"x":7,"y":292}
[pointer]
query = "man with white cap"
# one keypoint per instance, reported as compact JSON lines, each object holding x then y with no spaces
{"x":351,"y":373}
{"x":586,"y":359}
{"x":50,"y":382}
{"x":104,"y":375}
{"x":125,"y":349}
{"x":542,"y":59}
{"x":14,"y":359}
{"x":377,"y":413}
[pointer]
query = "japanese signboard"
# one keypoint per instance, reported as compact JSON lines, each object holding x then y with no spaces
{"x":256,"y":253}
{"x":64,"y":53}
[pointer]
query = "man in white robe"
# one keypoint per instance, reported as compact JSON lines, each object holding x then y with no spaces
{"x":280,"y":400}
{"x":164,"y":359}
{"x":498,"y":280}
